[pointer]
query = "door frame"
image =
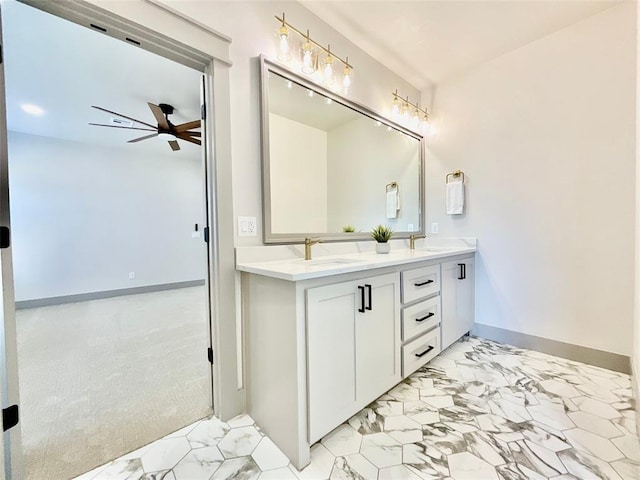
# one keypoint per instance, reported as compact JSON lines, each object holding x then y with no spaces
{"x":200,"y":47}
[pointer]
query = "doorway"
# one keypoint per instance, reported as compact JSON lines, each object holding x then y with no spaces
{"x":110,"y":263}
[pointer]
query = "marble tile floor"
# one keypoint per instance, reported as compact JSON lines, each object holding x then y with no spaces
{"x":480,"y":410}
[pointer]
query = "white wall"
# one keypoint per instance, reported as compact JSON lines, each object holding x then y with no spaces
{"x":545,"y":136}
{"x":298,"y":170}
{"x":253,"y":29}
{"x":84,"y":216}
{"x":357,"y":177}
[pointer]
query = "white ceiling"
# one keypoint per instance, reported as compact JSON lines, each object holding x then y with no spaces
{"x":65,"y":68}
{"x":427,"y":42}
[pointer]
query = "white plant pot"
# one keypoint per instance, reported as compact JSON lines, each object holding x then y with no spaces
{"x":383,"y":247}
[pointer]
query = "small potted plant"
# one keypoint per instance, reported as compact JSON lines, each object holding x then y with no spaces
{"x":348,"y":229}
{"x":382,"y":234}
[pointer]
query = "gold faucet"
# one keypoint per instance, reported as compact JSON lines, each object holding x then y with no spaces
{"x":307,"y":247}
{"x":412,"y":240}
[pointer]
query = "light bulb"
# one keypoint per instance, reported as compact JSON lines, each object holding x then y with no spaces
{"x":289,"y":84}
{"x":284,"y":54}
{"x":395,"y":108}
{"x":415,"y":119}
{"x":346,"y":77}
{"x":328,"y":101}
{"x":309,"y":92}
{"x":404,"y":112}
{"x":307,"y":58}
{"x":327,"y":73}
{"x":424,"y":127}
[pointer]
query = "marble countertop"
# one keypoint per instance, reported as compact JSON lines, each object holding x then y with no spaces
{"x":295,"y":269}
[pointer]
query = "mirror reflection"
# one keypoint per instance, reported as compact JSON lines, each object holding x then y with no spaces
{"x":332,"y":168}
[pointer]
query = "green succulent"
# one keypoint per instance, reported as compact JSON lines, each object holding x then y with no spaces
{"x":381,"y":233}
{"x":348,"y":229}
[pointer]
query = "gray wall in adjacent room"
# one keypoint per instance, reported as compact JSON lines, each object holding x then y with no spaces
{"x":84,"y":216}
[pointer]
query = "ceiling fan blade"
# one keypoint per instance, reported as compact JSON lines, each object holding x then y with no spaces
{"x":187,"y":138}
{"x":183,"y":127}
{"x":123,"y":116}
{"x":126,"y":128}
{"x":174,"y":145}
{"x":193,"y":134}
{"x":142,"y":138}
{"x":157,"y":112}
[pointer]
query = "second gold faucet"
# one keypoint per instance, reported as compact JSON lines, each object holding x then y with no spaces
{"x":412,"y":240}
{"x":307,"y":247}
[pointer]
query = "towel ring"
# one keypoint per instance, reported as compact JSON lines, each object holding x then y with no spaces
{"x":455,"y":174}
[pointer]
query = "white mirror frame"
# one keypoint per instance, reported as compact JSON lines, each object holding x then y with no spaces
{"x":267,"y":66}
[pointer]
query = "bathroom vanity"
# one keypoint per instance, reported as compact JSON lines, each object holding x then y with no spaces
{"x":326,"y":337}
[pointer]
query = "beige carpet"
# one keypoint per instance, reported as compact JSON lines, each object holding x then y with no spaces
{"x":101,"y":378}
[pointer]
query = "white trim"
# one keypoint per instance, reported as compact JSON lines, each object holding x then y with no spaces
{"x":206,"y":28}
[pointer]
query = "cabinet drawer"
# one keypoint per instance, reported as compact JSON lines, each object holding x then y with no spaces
{"x":420,"y":318}
{"x":420,"y":282}
{"x":419,"y":351}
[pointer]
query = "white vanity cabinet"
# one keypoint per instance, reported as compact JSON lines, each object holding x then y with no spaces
{"x":322,"y":340}
{"x":458,"y":297}
{"x":353,"y":331}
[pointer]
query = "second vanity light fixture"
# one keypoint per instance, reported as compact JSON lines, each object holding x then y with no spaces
{"x":310,"y":51}
{"x":402,"y":110}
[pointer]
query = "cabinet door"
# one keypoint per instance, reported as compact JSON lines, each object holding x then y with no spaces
{"x":457,"y":295}
{"x":331,"y":312}
{"x":378,"y":338}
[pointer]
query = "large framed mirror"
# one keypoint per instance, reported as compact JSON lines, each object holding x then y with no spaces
{"x":330,"y":165}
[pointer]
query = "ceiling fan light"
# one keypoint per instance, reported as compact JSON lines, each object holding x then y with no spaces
{"x":166,"y":136}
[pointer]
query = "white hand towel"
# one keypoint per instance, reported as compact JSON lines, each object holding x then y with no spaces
{"x":393,"y":203}
{"x":455,"y":198}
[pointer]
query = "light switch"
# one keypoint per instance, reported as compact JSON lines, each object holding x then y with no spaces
{"x":435,"y":228}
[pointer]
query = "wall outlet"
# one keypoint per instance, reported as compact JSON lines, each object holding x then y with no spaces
{"x":132,"y":275}
{"x":195,"y":234}
{"x":410,"y":227}
{"x":435,"y":228}
{"x":247,"y":227}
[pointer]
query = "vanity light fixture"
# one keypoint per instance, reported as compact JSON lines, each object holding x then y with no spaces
{"x":400,"y":111}
{"x":309,"y":51}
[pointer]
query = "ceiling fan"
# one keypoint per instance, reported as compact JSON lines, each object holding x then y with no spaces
{"x":164,"y":129}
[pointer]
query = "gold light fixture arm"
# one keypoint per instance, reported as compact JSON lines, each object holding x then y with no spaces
{"x":309,"y":39}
